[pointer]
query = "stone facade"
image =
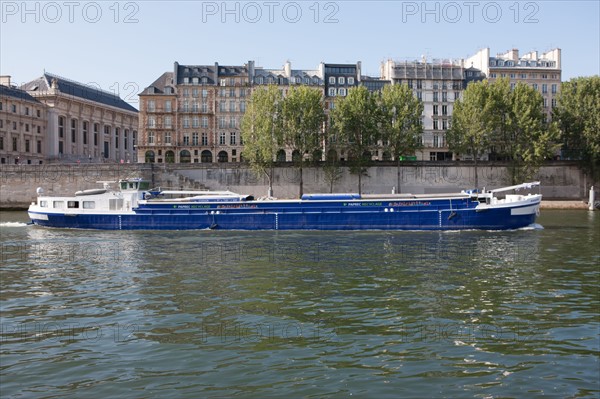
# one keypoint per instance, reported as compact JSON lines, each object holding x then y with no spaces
{"x":85,"y":124}
{"x":438,"y":84}
{"x":542,"y":71}
{"x":23,"y":126}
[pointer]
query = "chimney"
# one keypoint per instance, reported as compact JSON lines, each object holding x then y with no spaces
{"x":5,"y":80}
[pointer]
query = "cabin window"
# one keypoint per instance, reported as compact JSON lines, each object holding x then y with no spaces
{"x":89,"y":204}
{"x":115,"y":204}
{"x":123,"y":185}
{"x":132,"y":185}
{"x":58,"y":204}
{"x":44,"y":204}
{"x":72,"y":204}
{"x":144,"y":185}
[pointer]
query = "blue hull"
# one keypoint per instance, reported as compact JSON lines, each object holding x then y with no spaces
{"x":382,"y":215}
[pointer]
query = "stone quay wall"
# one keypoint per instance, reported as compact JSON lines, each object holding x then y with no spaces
{"x":18,"y":183}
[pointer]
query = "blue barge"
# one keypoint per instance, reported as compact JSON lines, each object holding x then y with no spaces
{"x":134,"y":206}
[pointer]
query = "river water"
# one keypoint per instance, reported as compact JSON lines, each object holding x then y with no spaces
{"x":473,"y":314}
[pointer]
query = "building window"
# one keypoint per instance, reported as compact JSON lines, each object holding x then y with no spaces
{"x":39,"y":146}
{"x":444,"y":124}
{"x":342,"y":92}
{"x":195,"y":106}
{"x":150,"y":137}
{"x":61,"y":126}
{"x":544,"y":88}
{"x":14,"y":142}
{"x":73,"y":130}
{"x":151,"y":106}
{"x":231,"y":106}
{"x":186,"y":122}
{"x":435,"y":124}
{"x":167,"y":137}
{"x":232,"y":122}
{"x":232,"y":138}
{"x":195,"y":121}
{"x":331,"y":92}
{"x":194,"y":92}
{"x":14,"y":108}
{"x":169,"y":123}
{"x":26,"y":145}
{"x":222,"y":122}
{"x":435,"y":96}
{"x":222,"y":138}
{"x":125,"y":137}
{"x":204,"y":121}
{"x":14,"y":125}
{"x":204,"y":93}
{"x":554,"y":103}
{"x":341,"y":80}
{"x":554,"y":88}
{"x":117,"y":131}
{"x":168,"y":106}
{"x":1,"y":143}
{"x":85,"y":132}
{"x":185,"y":106}
{"x":535,"y":86}
{"x":444,"y":110}
{"x":186,"y":139}
{"x":186,"y":92}
{"x":435,"y":109}
{"x":204,"y":138}
{"x":222,"y":106}
{"x":332,"y":80}
{"x":195,"y":138}
{"x":444,"y":96}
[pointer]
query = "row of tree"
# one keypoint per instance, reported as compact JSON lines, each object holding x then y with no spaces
{"x":359,"y":123}
{"x":508,"y":122}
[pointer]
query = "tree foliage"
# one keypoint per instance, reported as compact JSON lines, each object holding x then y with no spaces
{"x":578,"y":117}
{"x":261,"y":130}
{"x":400,"y":124}
{"x":302,"y":118}
{"x":473,"y":120}
{"x":355,"y":119}
{"x":511,"y":121}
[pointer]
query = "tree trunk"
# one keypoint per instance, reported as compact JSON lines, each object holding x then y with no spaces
{"x":476,"y":177}
{"x":398,"y":191}
{"x":301,"y":189}
{"x":360,"y":181}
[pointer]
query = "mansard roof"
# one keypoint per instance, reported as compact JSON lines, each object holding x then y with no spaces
{"x":76,"y":89}
{"x":17,"y":93}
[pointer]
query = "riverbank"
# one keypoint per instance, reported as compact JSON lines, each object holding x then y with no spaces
{"x":564,"y":205}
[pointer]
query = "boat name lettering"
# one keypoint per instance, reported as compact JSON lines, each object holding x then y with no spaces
{"x":191,"y":206}
{"x":245,"y":206}
{"x":410,"y":203}
{"x":363,"y":204}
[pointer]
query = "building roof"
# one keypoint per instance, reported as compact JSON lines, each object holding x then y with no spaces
{"x":17,"y":93}
{"x":159,"y":85}
{"x":77,"y":89}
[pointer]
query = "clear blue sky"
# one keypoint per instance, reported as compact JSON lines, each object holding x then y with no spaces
{"x":125,"y":46}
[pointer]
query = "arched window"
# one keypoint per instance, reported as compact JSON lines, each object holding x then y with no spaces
{"x":222,"y":157}
{"x":169,"y":157}
{"x":206,"y":156}
{"x":387,"y":156}
{"x":296,"y":156}
{"x":332,"y":155}
{"x":281,"y":156}
{"x":185,"y":156}
{"x":149,"y":157}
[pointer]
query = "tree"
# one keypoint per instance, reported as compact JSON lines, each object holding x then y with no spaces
{"x":578,"y":117}
{"x":261,"y":131}
{"x":355,"y":118}
{"x":473,"y":121}
{"x":332,"y":172}
{"x":401,"y":127}
{"x":531,"y":139}
{"x":302,"y":118}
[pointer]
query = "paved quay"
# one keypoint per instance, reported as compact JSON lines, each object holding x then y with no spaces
{"x":564,"y":205}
